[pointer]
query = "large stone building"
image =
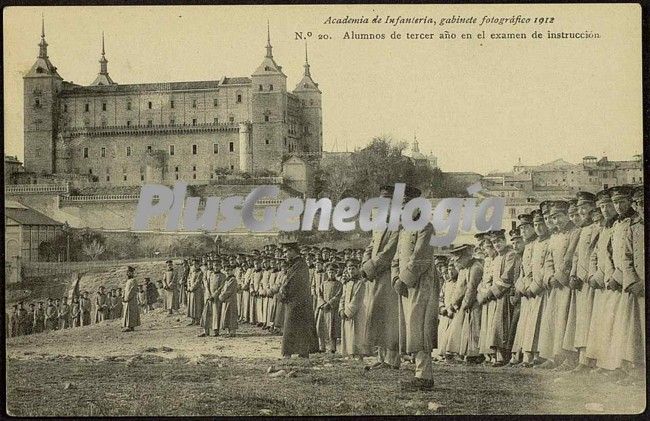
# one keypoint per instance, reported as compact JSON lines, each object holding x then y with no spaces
{"x":126,"y":134}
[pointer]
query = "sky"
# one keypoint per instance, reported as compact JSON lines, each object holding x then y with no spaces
{"x":476,"y":105}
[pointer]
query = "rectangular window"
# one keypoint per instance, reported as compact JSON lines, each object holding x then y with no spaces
{"x":194,"y":176}
{"x":176,"y":177}
{"x":103,"y":152}
{"x":128,"y":151}
{"x":193,"y":103}
{"x":215,"y":148}
{"x":171,"y":104}
{"x":215,"y":102}
{"x":65,"y":108}
{"x":149,"y":148}
{"x":261,"y":88}
{"x":270,"y":87}
{"x":176,"y":169}
{"x":231,"y":146}
{"x":87,"y":107}
{"x":171,"y":150}
{"x":85,"y":152}
{"x":141,"y":177}
{"x":194,"y":149}
{"x":238,"y":97}
{"x":90,"y":171}
{"x":124,"y":177}
{"x":267,"y":141}
{"x":193,"y":122}
{"x":193,"y":167}
{"x":150,"y":104}
{"x":232,"y":119}
{"x":172,"y":121}
{"x":108,"y":178}
{"x":149,"y":122}
{"x":266,"y":118}
{"x":103,"y":124}
{"x":128,"y":123}
{"x":128,"y":105}
{"x":103,"y":106}
{"x":216,"y":120}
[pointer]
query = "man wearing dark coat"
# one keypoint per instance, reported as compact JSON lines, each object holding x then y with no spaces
{"x":299,"y":328}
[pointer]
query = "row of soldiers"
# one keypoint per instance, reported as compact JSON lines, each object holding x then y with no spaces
{"x":566,"y":294}
{"x":55,"y":314}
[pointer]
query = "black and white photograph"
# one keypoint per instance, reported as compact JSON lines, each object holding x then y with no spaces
{"x":324,"y":210}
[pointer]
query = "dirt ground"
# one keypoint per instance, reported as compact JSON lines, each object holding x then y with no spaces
{"x":163,"y":368}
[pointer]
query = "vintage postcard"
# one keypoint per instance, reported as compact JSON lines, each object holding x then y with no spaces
{"x":324,"y":210}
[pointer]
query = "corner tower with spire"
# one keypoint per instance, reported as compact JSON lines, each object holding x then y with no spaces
{"x":41,"y":84}
{"x":310,"y":98}
{"x":268,"y":111}
{"x":102,"y":77}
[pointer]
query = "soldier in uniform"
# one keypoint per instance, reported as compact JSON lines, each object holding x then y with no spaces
{"x":601,"y":269}
{"x":101,"y":305}
{"x":51,"y":316}
{"x":629,"y":325}
{"x":614,"y":357}
{"x":505,"y":268}
{"x":228,"y":298}
{"x":64,"y":314}
{"x":195,"y":294}
{"x":211,"y":316}
{"x":328,"y":324}
{"x":299,"y":328}
{"x":582,"y":303}
{"x":39,"y":318}
{"x":170,"y":288}
{"x":522,"y":285}
{"x":518,"y":245}
{"x":416,"y":282}
{"x":537,"y":289}
{"x":561,"y":247}
{"x":470,"y":272}
{"x":86,"y":309}
{"x":131,"y":312}
{"x":381,"y":302}
{"x":352,"y":312}
{"x":487,"y":306}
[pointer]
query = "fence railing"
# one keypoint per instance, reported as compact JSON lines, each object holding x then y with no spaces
{"x":102,"y":198}
{"x":36,"y":188}
{"x":30,"y":269}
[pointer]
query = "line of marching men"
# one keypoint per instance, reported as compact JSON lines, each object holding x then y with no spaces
{"x":567,"y":293}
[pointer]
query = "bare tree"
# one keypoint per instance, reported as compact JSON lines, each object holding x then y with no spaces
{"x":93,"y":249}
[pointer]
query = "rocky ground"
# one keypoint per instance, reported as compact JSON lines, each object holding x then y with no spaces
{"x":163,"y":368}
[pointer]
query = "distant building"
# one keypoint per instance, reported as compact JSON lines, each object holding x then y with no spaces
{"x":12,"y":166}
{"x":25,"y":230}
{"x":127,"y":134}
{"x":418,"y":158}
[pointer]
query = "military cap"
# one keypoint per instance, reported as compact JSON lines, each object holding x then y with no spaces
{"x":481,"y":237}
{"x":514,"y":233}
{"x":497,"y":234}
{"x":537,"y":215}
{"x":411,"y":192}
{"x":573,"y":206}
{"x":603,"y":196}
{"x":168,"y":261}
{"x":41,"y":302}
{"x":585,"y":197}
{"x":620,"y":191}
{"x":15,"y":306}
{"x":559,"y":206}
{"x":638,"y":193}
{"x":545,"y":206}
{"x":352,"y":260}
{"x":462,"y":249}
{"x":440,"y":259}
{"x":331,"y":265}
{"x":32,"y":304}
{"x":525,"y":218}
{"x":130,"y":268}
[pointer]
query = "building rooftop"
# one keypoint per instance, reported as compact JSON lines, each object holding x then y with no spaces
{"x":72,"y":89}
{"x":28,"y":216}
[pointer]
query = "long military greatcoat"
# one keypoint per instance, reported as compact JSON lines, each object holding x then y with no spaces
{"x":171,"y":289}
{"x":381,"y":300}
{"x":413,"y":265}
{"x":131,"y":312}
{"x":211,"y":316}
{"x":299,"y":329}
{"x":228,"y":299}
{"x":470,"y":310}
{"x":195,"y":294}
{"x":353,"y":323}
